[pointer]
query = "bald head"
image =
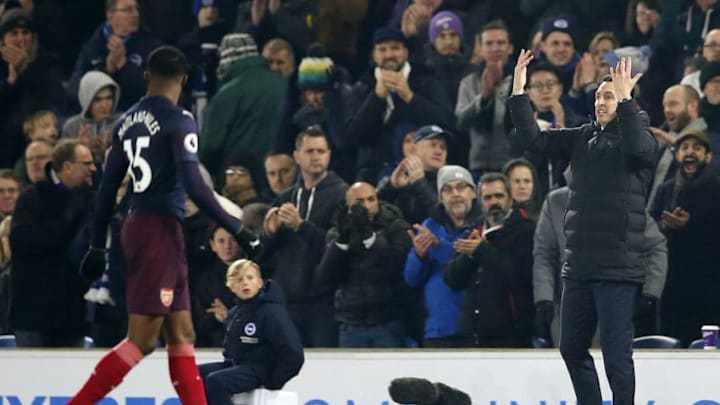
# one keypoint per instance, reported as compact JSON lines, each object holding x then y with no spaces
{"x":711,"y":46}
{"x":364,"y":194}
{"x":680,"y":106}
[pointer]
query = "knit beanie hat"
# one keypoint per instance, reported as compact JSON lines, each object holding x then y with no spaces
{"x":313,"y":73}
{"x":233,"y":48}
{"x":445,"y":20}
{"x":708,"y":72}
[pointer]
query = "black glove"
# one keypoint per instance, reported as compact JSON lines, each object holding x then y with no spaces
{"x":544,"y":313}
{"x":344,"y":226}
{"x":249,"y":242}
{"x":360,"y":220}
{"x":92,"y":265}
{"x":645,"y":305}
{"x":411,"y":390}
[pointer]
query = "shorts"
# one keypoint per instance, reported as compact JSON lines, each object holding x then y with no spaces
{"x":157,"y":273}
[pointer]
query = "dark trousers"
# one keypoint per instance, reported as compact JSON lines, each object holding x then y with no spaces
{"x":315,"y":321}
{"x":223,"y":380}
{"x":585,"y":305}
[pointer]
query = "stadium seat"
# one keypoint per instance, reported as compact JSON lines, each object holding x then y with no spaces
{"x":541,"y":343}
{"x":89,"y":343}
{"x":7,"y":341}
{"x":656,"y":342}
{"x":698,"y":344}
{"x":263,"y":396}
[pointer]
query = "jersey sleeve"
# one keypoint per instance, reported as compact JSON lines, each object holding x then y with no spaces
{"x":115,"y":170}
{"x":184,"y":148}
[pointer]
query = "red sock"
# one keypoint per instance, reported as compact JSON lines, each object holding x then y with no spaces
{"x":108,"y":374}
{"x":184,"y":374}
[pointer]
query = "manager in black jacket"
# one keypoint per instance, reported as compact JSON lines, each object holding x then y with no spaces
{"x":612,"y":162}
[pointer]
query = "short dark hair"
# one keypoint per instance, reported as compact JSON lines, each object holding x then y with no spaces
{"x":497,"y":24}
{"x":10,"y":174}
{"x":542,"y":67}
{"x":493,"y":177}
{"x":64,"y":152}
{"x":313,"y":131}
{"x":167,"y":61}
{"x":110,"y":4}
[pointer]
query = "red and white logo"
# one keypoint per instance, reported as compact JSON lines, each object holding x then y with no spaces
{"x":166,"y":296}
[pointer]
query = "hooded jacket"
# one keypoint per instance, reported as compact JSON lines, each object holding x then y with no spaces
{"x":260,"y":334}
{"x":90,"y":85}
{"x":612,"y":171}
{"x":292,"y":257}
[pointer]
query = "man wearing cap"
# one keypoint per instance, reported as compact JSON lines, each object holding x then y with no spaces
{"x":493,"y":265}
{"x":30,"y":81}
{"x":120,"y":48}
{"x":482,"y":101}
{"x":240,"y":115}
{"x":558,"y":47}
{"x":393,"y":93}
{"x":612,"y":162}
{"x":412,"y":185}
{"x":685,"y":208}
{"x":433,"y":246}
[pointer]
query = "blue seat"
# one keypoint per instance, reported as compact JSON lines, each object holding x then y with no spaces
{"x":88,"y":342}
{"x":541,"y":343}
{"x":7,"y":341}
{"x":656,"y":342}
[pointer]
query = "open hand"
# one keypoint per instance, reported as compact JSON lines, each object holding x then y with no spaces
{"x":622,"y":80}
{"x":520,"y":78}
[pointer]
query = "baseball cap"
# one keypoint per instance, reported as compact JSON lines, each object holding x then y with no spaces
{"x":430,"y":132}
{"x":701,"y":136}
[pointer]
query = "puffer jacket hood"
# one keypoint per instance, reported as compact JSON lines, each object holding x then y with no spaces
{"x":90,"y":84}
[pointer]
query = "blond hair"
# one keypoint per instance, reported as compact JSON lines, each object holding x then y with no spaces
{"x":237,"y":267}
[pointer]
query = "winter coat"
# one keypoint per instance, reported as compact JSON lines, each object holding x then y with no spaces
{"x":497,"y":280}
{"x":259,"y":333}
{"x":210,"y":332}
{"x":612,"y":171}
{"x":89,"y":88}
{"x":291,"y":257}
{"x":370,"y":286}
{"x":416,"y":201}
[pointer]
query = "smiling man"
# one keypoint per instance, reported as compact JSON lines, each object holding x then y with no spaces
{"x":684,"y":207}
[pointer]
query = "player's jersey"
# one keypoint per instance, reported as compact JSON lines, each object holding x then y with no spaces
{"x":155,"y":136}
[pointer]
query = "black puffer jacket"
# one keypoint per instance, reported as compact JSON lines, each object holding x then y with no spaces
{"x":612,"y":172}
{"x":497,"y":280}
{"x":261,"y":335}
{"x":370,"y":282}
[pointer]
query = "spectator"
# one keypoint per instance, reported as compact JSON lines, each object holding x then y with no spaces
{"x":295,"y":230}
{"x":433,"y":247}
{"x":244,"y":182}
{"x":692,"y":26}
{"x":412,"y":186}
{"x":481,"y":102}
{"x":589,"y":71}
{"x":711,"y":53}
{"x":493,"y":266}
{"x":364,"y":259}
{"x":240,"y":115}
{"x":211,"y":298}
{"x":684,"y":209}
{"x":42,"y":124}
{"x":48,"y":216}
{"x":549,"y":256}
{"x":262,"y":348}
{"x":293,"y":21}
{"x":120,"y":48}
{"x":445,"y":57}
{"x":545,"y":92}
{"x":394,"y":94}
{"x":525,"y":190}
{"x":37,"y":156}
{"x":99,"y":96}
{"x":5,"y":268}
{"x":558,"y":48}
{"x":316,"y":95}
{"x":280,"y":56}
{"x":682,"y":112}
{"x":612,"y":162}
{"x":30,"y":81}
{"x":253,"y":216}
{"x":281,"y":170}
{"x":10,"y":187}
{"x":710,"y":102}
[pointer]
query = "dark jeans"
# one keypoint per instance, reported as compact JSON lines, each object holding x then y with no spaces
{"x":315,"y":321}
{"x":388,"y":334}
{"x":223,"y":380}
{"x":29,"y":338}
{"x":585,"y":305}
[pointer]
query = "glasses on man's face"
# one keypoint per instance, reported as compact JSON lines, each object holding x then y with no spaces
{"x":712,"y":45}
{"x":540,"y":86}
{"x":449,"y":188}
{"x":236,"y":172}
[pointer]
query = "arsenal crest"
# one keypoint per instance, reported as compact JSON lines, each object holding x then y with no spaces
{"x":166,"y":296}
